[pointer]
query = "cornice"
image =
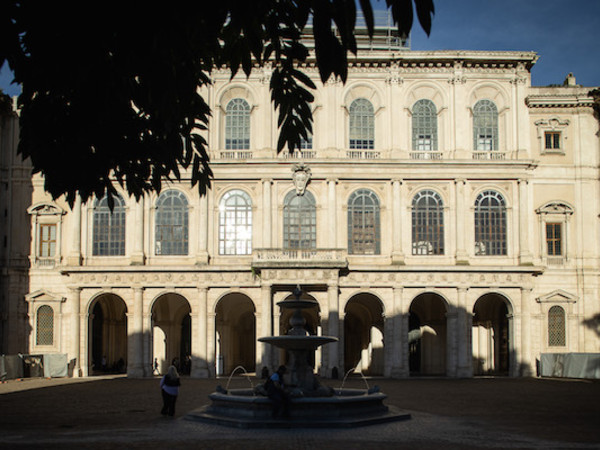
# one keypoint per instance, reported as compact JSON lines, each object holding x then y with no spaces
{"x":559,"y":100}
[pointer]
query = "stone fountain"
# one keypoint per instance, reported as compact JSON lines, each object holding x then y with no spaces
{"x":312,"y":404}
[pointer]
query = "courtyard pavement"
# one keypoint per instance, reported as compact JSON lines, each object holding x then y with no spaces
{"x":101,"y":412}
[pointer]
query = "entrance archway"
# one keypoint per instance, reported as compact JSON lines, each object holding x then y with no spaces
{"x":427,"y":335}
{"x":363,"y":334}
{"x":236,"y":333}
{"x":171,"y":332}
{"x":491,"y":335}
{"x":108,"y":335}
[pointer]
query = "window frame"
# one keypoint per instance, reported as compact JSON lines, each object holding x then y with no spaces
{"x":559,"y":213}
{"x":361,"y":246}
{"x":180,"y":214}
{"x":424,"y":123}
{"x":361,"y":125}
{"x":553,"y":340}
{"x":240,"y":246}
{"x":490,"y":225}
{"x":485,"y":125}
{"x":237,"y":117}
{"x":38,"y":326}
{"x":552,"y":126}
{"x":45,"y":215}
{"x":427,"y":222}
{"x":299,"y":211}
{"x":116,"y":228}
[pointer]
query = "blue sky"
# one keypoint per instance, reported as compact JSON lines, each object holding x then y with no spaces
{"x":564,"y":33}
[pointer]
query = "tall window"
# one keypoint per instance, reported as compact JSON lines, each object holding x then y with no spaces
{"x":362,"y":125}
{"x":556,"y":327}
{"x":47,"y":240}
{"x":490,"y":224}
{"x":44,"y":333}
{"x":235,"y":224}
{"x":554,"y":239}
{"x":171,"y":228}
{"x":427,"y":224}
{"x":237,"y":125}
{"x":299,"y":221}
{"x":485,"y":126}
{"x":109,"y":228}
{"x":424,"y":126}
{"x":363,"y":223}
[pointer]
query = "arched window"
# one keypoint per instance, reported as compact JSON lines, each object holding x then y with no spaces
{"x":556,"y":327}
{"x":299,"y":221}
{"x":235,"y":223}
{"x":490,"y":224}
{"x":424,"y":126}
{"x":109,"y":228}
{"x":237,"y":125}
{"x":171,"y":228}
{"x":427,"y":224}
{"x":363,"y":223}
{"x":44,"y":333}
{"x":362,"y":125}
{"x":485,"y":126}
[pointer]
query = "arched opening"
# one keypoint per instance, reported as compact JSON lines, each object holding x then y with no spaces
{"x":427,"y":335}
{"x":491,"y":335}
{"x":108,"y":335}
{"x":171,"y":333}
{"x":236,"y":334}
{"x":363,"y":334}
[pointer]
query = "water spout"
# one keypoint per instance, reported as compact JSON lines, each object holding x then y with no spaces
{"x":354,"y":369}
{"x":233,"y":373}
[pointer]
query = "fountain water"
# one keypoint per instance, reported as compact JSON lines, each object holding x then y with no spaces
{"x":312,"y":404}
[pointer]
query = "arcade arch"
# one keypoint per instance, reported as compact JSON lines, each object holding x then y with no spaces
{"x":108,"y":334}
{"x":235,"y":325}
{"x":491,"y":335}
{"x":363,"y":334}
{"x":171,"y":332}
{"x":427,"y":335}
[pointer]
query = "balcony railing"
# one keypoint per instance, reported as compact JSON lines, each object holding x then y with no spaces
{"x":298,"y":154}
{"x":275,"y":257}
{"x":362,"y":154}
{"x":233,"y":154}
{"x":426,"y":155}
{"x":489,"y":155}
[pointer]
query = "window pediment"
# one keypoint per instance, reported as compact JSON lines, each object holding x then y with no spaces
{"x":557,"y":296}
{"x":42,"y":295}
{"x":45,"y":209}
{"x":555,"y":208}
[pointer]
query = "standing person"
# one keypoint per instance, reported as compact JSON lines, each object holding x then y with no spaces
{"x":169,"y":386}
{"x":277,"y":393}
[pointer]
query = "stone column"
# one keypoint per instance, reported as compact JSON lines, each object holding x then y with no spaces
{"x":399,"y":336}
{"x":525,"y":256}
{"x":266,"y":212}
{"x":397,"y":253}
{"x":75,"y":301}
{"x":451,"y":338}
{"x":333,"y":327}
{"x":266,"y":329}
{"x":332,"y":211}
{"x":199,"y":351}
{"x":525,"y":355}
{"x":74,"y":258}
{"x":137,"y":255}
{"x":135,"y":344}
{"x":202,"y":257}
{"x":210,"y":344}
{"x":464,"y":343}
{"x":461,"y":251}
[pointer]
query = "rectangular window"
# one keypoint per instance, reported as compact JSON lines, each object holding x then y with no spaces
{"x":552,"y":140}
{"x":47,"y":242}
{"x":554,"y":239}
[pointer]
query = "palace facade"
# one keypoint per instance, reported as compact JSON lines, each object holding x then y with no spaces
{"x":443,"y":214}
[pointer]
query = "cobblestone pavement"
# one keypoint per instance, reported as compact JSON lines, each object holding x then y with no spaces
{"x":94,"y":413}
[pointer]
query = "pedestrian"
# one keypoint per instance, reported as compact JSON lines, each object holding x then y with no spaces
{"x":155,"y":367}
{"x":169,"y":386}
{"x":277,"y":393}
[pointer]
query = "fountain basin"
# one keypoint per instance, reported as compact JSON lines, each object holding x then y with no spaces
{"x":241,"y":408}
{"x":292,"y":342}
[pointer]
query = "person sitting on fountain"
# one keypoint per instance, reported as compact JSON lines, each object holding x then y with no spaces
{"x":277,"y":393}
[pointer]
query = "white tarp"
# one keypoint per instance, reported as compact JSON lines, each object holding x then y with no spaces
{"x":55,"y":365}
{"x":570,"y":365}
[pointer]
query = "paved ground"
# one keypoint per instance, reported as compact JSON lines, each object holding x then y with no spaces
{"x":94,"y":413}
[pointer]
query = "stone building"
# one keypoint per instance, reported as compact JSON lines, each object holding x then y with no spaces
{"x":444,"y":215}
